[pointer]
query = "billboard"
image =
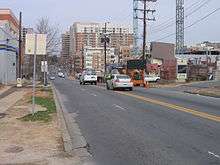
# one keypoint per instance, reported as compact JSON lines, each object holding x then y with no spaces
{"x":30,"y":44}
{"x":136,"y":64}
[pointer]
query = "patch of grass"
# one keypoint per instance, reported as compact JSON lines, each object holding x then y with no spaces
{"x":47,"y":103}
{"x":44,"y":116}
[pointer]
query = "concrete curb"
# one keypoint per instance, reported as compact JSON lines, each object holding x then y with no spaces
{"x":62,"y":123}
{"x":74,"y":143}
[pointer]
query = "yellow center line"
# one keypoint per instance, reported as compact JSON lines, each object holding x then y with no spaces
{"x":173,"y":106}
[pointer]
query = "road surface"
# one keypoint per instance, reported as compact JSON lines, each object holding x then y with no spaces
{"x":146,"y":126}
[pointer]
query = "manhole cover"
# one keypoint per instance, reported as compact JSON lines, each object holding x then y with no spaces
{"x":14,"y":149}
{"x":2,"y":115}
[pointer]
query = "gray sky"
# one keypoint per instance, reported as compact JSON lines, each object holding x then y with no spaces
{"x":65,"y":12}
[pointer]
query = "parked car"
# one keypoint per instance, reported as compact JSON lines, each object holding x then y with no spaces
{"x":151,"y":78}
{"x":61,"y":75}
{"x":119,"y":81}
{"x":52,"y":77}
{"x":78,"y":75}
{"x":88,"y":77}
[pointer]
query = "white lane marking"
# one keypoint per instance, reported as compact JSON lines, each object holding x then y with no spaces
{"x":213,"y":154}
{"x":83,"y":89}
{"x":119,"y":107}
{"x":93,"y":94}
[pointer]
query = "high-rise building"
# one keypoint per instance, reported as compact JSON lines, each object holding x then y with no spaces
{"x":65,"y":56}
{"x":9,"y":28}
{"x":90,"y":34}
{"x":94,"y":58}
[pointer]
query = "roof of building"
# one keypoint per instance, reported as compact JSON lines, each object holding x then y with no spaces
{"x":7,"y":14}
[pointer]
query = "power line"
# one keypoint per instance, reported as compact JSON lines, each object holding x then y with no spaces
{"x":189,"y":26}
{"x":171,"y":21}
{"x":173,"y":18}
{"x":170,"y":25}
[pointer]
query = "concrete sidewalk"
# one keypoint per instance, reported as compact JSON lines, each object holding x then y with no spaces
{"x":4,"y":89}
{"x":9,"y":100}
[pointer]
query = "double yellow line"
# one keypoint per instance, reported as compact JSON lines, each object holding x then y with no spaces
{"x":173,"y":106}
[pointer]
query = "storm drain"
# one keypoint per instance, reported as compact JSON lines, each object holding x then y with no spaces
{"x":14,"y":149}
{"x":2,"y":115}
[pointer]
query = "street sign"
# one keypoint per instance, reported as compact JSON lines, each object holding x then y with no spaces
{"x":29,"y":44}
{"x":136,"y":64}
{"x":44,"y":66}
{"x":35,"y":44}
{"x":40,"y":45}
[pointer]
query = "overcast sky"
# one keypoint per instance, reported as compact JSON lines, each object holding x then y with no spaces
{"x":65,"y":12}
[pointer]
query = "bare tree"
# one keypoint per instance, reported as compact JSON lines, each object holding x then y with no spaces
{"x":43,"y":26}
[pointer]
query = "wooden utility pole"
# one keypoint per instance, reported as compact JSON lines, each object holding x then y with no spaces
{"x":145,"y":18}
{"x":144,"y":30}
{"x":20,"y":47}
{"x":105,"y":45}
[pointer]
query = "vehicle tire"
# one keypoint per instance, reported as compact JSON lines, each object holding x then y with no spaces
{"x":95,"y":83}
{"x":80,"y":83}
{"x":131,"y":89}
{"x":83,"y":83}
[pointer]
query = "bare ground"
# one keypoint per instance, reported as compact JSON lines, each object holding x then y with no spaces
{"x":29,"y":142}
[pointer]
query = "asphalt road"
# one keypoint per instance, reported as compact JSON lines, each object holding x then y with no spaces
{"x":146,"y":126}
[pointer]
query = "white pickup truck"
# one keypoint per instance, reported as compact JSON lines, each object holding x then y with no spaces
{"x":88,"y":77}
{"x":152,"y":78}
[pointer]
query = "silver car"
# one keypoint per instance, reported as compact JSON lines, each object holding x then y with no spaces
{"x":119,"y":81}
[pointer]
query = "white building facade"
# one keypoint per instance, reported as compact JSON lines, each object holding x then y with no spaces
{"x":8,"y":46}
{"x":94,"y":58}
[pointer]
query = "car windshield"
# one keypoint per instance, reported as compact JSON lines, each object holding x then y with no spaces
{"x":122,"y":77}
{"x":89,"y":74}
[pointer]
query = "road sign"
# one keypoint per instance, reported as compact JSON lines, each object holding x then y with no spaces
{"x":30,"y":44}
{"x":44,"y":66}
{"x":136,"y":64}
{"x":35,"y":44}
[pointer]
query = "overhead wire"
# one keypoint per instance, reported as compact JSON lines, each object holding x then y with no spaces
{"x":186,"y":16}
{"x":191,"y":25}
{"x":172,"y":19}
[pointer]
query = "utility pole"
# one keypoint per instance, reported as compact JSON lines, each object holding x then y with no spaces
{"x":105,"y":45}
{"x":145,"y":18}
{"x":135,"y":27}
{"x":144,"y":30}
{"x":20,"y":45}
{"x":105,"y":40}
